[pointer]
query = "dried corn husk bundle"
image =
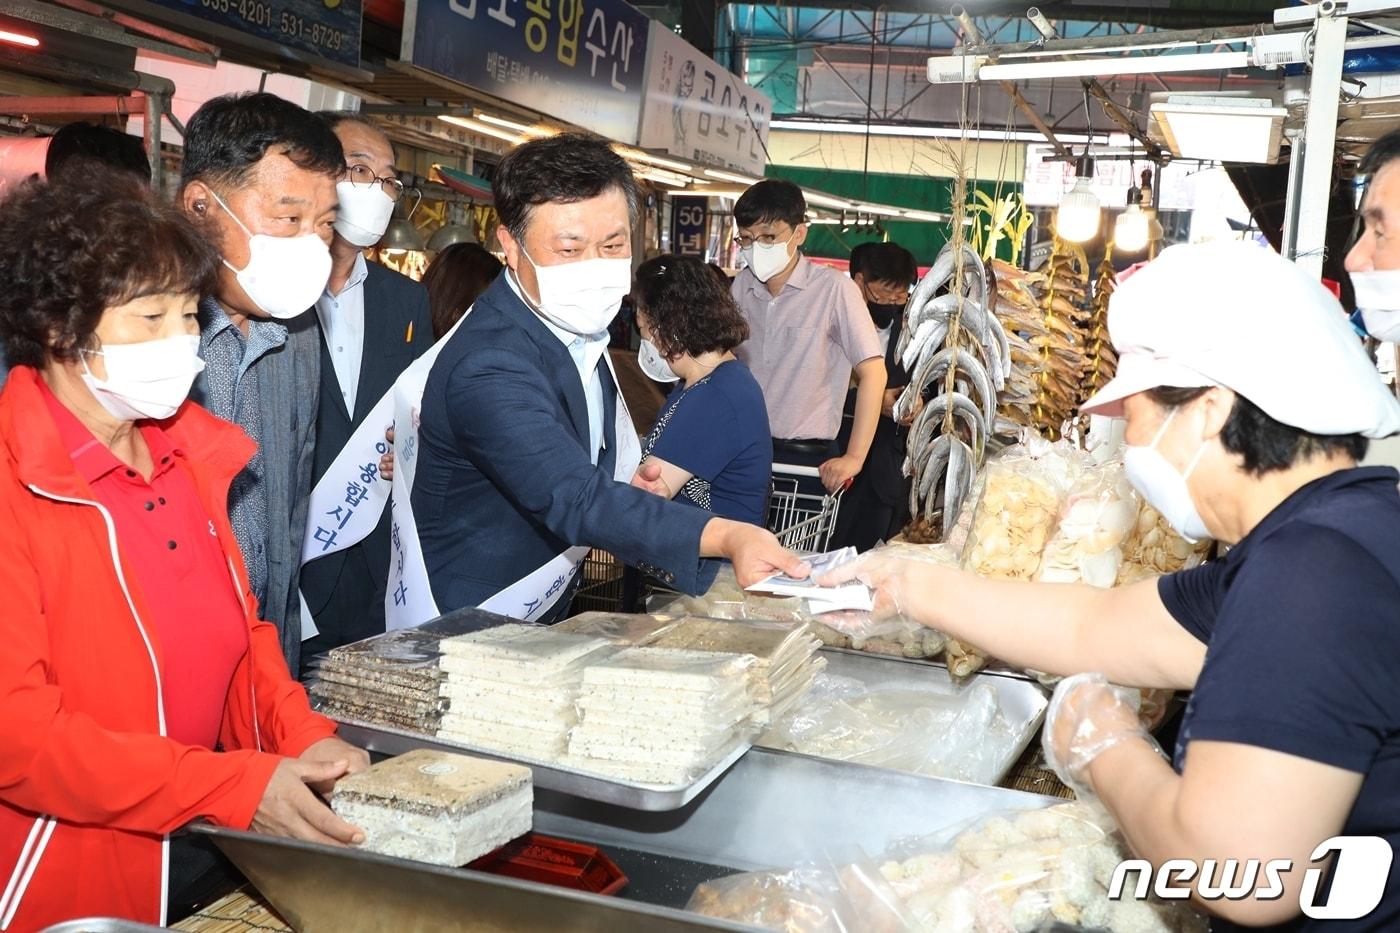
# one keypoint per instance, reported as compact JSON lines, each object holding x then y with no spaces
{"x":1154,"y":548}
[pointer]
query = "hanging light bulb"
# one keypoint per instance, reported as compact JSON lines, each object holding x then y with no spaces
{"x":1077,"y":219}
{"x":1131,"y":230}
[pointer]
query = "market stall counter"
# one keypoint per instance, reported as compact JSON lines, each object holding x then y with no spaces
{"x":771,"y":809}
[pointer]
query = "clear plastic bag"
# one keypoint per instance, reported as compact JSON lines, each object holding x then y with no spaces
{"x":813,"y":898}
{"x":1095,"y":519}
{"x":1023,"y":491}
{"x":620,"y":628}
{"x":1153,"y":548}
{"x":725,"y":599}
{"x":961,"y":736}
{"x":1018,"y":870}
{"x":1022,"y":870}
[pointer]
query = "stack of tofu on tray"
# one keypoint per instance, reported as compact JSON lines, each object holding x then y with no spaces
{"x":392,"y":679}
{"x":513,"y":689}
{"x":661,"y":715}
{"x":656,"y":700}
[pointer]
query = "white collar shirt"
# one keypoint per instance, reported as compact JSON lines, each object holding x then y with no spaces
{"x":586,"y":352}
{"x":342,"y":320}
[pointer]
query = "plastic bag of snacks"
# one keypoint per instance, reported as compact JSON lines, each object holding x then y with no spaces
{"x":1154,"y":548}
{"x":1024,"y":870}
{"x":1023,"y":491}
{"x":1018,"y":870}
{"x":1099,"y":513}
{"x":808,"y":899}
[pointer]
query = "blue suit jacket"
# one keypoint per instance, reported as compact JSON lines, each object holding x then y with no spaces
{"x":505,"y":481}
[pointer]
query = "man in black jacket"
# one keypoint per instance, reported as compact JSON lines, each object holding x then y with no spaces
{"x":875,"y":508}
{"x":373,"y":323}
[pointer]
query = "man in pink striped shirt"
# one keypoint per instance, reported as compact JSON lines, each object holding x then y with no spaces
{"x":809,"y":332}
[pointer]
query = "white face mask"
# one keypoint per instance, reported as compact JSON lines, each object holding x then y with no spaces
{"x":285,"y":274}
{"x":654,"y":364}
{"x":1163,"y":487}
{"x":145,"y":380}
{"x":1378,"y":297}
{"x":767,"y":260}
{"x":364,"y":215}
{"x":582,"y":297}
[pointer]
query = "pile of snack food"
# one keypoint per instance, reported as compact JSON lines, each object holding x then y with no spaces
{"x":1012,"y":871}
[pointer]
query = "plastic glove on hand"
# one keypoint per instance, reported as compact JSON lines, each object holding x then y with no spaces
{"x":1087,"y":717}
{"x":894,"y":581}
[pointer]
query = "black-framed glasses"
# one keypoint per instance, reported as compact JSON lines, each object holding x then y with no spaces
{"x":363,"y":176}
{"x":764,"y":239}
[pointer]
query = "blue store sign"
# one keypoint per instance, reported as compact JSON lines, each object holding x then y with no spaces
{"x":583,"y":61}
{"x":328,"y":28}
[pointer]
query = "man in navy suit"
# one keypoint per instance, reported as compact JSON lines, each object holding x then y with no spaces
{"x":517,"y":441}
{"x":373,"y":323}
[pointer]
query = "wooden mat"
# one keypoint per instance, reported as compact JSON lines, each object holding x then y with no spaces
{"x":243,"y":911}
{"x":1030,"y":774}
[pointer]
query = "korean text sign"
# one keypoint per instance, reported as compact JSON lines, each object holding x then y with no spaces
{"x":696,"y":109}
{"x":328,"y":28}
{"x":689,"y":226}
{"x":583,"y":61}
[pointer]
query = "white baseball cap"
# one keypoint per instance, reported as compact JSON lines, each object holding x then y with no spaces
{"x":1241,"y":316}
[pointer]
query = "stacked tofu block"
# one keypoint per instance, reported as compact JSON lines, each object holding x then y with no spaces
{"x":784,"y":653}
{"x":437,"y":807}
{"x":660,"y":716}
{"x":391,"y":680}
{"x":512,"y":689}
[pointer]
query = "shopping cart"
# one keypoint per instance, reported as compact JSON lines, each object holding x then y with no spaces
{"x":802,"y":518}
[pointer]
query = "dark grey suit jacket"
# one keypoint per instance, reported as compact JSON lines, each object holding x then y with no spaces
{"x":398,"y":330}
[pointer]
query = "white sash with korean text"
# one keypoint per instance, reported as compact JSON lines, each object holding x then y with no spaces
{"x":408,"y":600}
{"x":349,"y":499}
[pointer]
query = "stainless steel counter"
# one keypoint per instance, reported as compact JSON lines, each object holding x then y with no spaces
{"x":771,"y":809}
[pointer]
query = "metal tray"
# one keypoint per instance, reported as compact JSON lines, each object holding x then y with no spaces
{"x":101,"y":925}
{"x":1022,"y":702}
{"x":1000,"y":668}
{"x":325,"y":889}
{"x":388,"y":740}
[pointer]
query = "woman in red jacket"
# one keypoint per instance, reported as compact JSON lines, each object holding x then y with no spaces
{"x":138,"y":689}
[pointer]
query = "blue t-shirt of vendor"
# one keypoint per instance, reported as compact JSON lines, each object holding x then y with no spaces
{"x":1302,"y":624}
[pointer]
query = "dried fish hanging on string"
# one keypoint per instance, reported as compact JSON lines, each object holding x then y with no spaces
{"x":956,"y":349}
{"x":1043,"y":315}
{"x":1103,"y":361}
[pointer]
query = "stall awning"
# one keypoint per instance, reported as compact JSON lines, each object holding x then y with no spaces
{"x":464,"y":183}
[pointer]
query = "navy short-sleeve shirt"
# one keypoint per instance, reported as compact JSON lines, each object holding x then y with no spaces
{"x":717,"y":430}
{"x":1302,"y":625}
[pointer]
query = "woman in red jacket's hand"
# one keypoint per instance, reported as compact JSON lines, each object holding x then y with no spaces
{"x":138,"y":689}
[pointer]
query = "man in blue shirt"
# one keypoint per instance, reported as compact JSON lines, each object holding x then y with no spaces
{"x":519,"y":444}
{"x":259,"y":179}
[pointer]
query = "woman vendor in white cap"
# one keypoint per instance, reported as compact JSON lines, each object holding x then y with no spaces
{"x":1248,"y":402}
